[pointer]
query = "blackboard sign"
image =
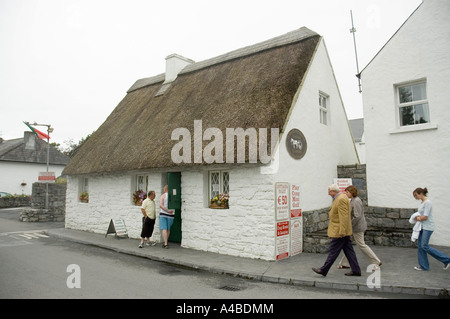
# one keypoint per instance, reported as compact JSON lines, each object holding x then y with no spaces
{"x":117,"y":227}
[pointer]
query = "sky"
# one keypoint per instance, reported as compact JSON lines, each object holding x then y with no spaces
{"x":69,"y":63}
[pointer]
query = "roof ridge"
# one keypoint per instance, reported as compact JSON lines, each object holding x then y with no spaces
{"x":291,"y":37}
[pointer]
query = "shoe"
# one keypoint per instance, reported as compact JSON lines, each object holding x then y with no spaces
{"x":150,"y":244}
{"x":418,"y":268}
{"x":351,"y":273}
{"x":446,"y":266}
{"x":165,"y":246}
{"x":141,"y":245}
{"x":319,"y":271}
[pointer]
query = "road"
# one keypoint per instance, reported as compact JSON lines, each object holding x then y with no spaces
{"x":34,"y":265}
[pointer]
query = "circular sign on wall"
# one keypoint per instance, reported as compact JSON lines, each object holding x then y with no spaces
{"x":296,"y":143}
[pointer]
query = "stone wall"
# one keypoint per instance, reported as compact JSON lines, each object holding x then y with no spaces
{"x":56,"y":203}
{"x":9,"y":202}
{"x":386,"y":226}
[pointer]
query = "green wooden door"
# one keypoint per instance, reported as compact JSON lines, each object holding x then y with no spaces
{"x":174,"y":185}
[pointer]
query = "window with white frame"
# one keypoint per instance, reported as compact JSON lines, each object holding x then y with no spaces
{"x":412,"y":103}
{"x":323,"y":107}
{"x":83,"y":189}
{"x":140,"y":189}
{"x":219,"y":183}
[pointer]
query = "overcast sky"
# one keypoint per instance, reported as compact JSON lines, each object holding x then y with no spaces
{"x":69,"y":63}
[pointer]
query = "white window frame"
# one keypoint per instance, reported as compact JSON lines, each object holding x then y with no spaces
{"x":83,"y":186}
{"x":224,"y":183}
{"x":324,"y":109}
{"x":413,"y":103}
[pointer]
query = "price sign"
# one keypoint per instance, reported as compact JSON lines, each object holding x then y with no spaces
{"x":282,"y":201}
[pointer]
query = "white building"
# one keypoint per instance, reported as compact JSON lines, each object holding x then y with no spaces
{"x":21,"y":161}
{"x":407,"y":118}
{"x":175,"y":130}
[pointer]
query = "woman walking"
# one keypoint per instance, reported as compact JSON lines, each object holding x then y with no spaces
{"x":359,"y":226}
{"x":426,"y":218}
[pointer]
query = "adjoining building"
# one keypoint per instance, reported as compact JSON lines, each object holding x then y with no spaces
{"x":22,"y":159}
{"x":406,"y":116}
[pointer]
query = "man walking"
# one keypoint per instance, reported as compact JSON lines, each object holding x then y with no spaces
{"x":340,"y":230}
{"x":148,"y":220}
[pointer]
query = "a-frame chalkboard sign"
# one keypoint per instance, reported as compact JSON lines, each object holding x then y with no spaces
{"x":118,"y":228}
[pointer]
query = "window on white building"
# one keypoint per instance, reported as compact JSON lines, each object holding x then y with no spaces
{"x":413,"y":104}
{"x":219,"y":183}
{"x":323,"y":108}
{"x":83,"y":189}
{"x":140,"y":189}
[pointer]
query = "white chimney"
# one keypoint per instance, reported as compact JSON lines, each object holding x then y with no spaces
{"x":174,"y":64}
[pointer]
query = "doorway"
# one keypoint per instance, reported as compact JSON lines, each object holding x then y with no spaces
{"x":174,"y":192}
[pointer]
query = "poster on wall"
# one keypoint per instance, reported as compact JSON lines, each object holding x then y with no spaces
{"x":295,"y":201}
{"x":342,"y":183}
{"x":282,"y":240}
{"x":281,"y":201}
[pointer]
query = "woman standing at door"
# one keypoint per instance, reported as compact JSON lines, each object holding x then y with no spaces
{"x":166,"y":216}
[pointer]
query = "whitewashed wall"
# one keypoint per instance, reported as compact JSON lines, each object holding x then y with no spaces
{"x":14,"y":174}
{"x":399,"y":160}
{"x":328,"y":145}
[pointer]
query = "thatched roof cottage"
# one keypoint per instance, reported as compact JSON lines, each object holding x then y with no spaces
{"x":236,"y":124}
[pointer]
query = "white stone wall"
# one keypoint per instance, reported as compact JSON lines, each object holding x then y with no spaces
{"x":110,"y":196}
{"x":246,"y":229}
{"x":402,"y":159}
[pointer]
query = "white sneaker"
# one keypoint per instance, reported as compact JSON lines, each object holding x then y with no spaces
{"x":446,"y":266}
{"x":141,"y":245}
{"x":418,"y":268}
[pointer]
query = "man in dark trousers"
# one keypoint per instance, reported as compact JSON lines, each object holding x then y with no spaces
{"x":148,"y":220}
{"x":339,"y":230}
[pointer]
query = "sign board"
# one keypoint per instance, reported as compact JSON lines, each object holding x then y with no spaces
{"x":343,"y":183}
{"x":296,"y":236}
{"x":282,"y":244}
{"x":295,"y":201}
{"x":281,"y":201}
{"x":47,"y":177}
{"x":117,"y":227}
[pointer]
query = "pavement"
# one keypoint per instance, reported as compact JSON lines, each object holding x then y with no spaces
{"x":397,"y":274}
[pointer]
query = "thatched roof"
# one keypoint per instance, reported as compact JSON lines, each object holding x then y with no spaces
{"x":250,"y":87}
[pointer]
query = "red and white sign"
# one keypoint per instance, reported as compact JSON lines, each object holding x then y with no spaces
{"x":282,"y":241}
{"x":46,"y":177}
{"x":295,"y":201}
{"x":343,"y":183}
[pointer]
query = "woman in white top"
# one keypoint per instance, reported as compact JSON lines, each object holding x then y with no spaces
{"x":426,"y":218}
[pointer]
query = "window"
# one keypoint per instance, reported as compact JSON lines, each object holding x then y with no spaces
{"x":84,"y":190}
{"x":140,"y":189}
{"x":413,"y":104}
{"x":323,"y":108}
{"x":219,"y":183}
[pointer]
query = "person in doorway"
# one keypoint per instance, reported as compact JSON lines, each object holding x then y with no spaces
{"x":426,"y":218}
{"x":166,"y":217}
{"x":359,"y":226}
{"x":148,"y":220}
{"x":340,"y":230}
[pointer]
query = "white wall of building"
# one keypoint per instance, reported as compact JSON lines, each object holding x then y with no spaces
{"x":402,"y":159}
{"x":328,"y":145}
{"x":13,"y":174}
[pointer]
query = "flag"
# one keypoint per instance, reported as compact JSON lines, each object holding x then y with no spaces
{"x":38,"y":133}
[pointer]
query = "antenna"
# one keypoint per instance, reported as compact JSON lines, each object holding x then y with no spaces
{"x":353,"y":30}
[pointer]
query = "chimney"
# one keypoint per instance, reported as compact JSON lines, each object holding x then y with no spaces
{"x":174,"y":64}
{"x":30,"y":140}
